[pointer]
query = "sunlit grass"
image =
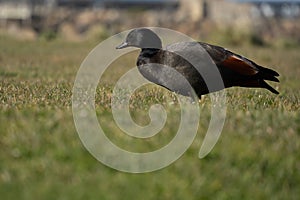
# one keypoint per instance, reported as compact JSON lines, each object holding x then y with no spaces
{"x":257,"y":156}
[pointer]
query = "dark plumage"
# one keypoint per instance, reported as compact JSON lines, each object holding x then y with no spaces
{"x":234,"y":69}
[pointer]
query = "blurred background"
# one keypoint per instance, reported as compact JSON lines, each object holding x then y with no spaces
{"x":254,"y":21}
{"x":43,"y":43}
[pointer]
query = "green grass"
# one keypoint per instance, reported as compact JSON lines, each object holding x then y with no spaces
{"x":256,"y":157}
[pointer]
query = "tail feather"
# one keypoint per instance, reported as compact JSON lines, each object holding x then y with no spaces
{"x":260,"y":83}
{"x":269,"y":77}
{"x":267,"y":86}
{"x":271,"y":72}
{"x":268,"y":74}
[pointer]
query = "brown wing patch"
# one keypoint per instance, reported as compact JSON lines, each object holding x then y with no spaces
{"x":240,"y":66}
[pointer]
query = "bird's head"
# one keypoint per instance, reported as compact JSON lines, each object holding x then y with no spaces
{"x":141,"y":38}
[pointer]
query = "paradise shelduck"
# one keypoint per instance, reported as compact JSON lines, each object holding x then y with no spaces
{"x":234,"y":69}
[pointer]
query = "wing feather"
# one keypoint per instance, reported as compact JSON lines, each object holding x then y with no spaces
{"x":240,"y":65}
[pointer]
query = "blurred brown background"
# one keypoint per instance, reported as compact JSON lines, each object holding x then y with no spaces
{"x":256,"y":21}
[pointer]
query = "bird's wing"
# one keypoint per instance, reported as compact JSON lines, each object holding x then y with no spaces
{"x":240,"y":65}
{"x":230,"y":60}
{"x":188,"y":50}
{"x":199,"y":51}
{"x":192,"y":52}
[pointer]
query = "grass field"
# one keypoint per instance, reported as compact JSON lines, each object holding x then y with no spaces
{"x":256,"y":157}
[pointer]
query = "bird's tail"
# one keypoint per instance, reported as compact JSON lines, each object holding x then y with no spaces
{"x":260,"y":80}
{"x":267,"y":74}
{"x":263,"y":84}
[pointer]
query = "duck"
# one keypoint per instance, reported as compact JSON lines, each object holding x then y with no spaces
{"x":166,"y":67}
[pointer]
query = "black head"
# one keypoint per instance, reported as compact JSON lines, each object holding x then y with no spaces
{"x":141,"y":38}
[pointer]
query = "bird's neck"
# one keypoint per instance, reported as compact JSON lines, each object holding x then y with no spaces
{"x":147,"y":55}
{"x":148,"y":52}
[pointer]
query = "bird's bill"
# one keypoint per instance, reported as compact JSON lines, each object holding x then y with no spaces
{"x":122,"y":46}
